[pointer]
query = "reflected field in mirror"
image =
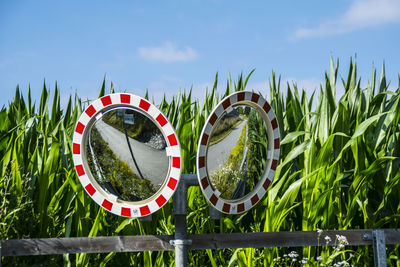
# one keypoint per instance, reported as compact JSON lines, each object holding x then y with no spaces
{"x":126,"y":154}
{"x":237,"y":152}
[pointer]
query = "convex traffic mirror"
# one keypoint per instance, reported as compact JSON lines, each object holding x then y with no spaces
{"x":238,"y":152}
{"x":127,"y":155}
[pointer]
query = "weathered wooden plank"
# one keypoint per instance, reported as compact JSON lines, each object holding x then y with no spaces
{"x":201,"y":241}
{"x":276,"y":239}
{"x":46,"y":246}
{"x":392,"y":236}
{"x":287,"y":239}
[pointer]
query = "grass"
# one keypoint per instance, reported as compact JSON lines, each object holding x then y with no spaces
{"x":339,"y":169}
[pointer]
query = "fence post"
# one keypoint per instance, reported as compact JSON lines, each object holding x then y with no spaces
{"x":180,"y":211}
{"x":379,"y":245}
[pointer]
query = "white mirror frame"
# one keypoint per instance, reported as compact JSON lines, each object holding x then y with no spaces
{"x":106,"y":200}
{"x":237,"y":206}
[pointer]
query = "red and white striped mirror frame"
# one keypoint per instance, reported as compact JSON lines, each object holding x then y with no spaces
{"x":247,"y":202}
{"x":104,"y":199}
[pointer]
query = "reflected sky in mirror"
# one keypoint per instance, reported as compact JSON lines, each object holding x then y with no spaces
{"x":126,"y":154}
{"x":237,"y":152}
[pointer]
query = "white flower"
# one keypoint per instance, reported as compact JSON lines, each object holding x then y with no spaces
{"x":342,"y":239}
{"x":319,"y":258}
{"x":293,"y":254}
{"x":327,"y":239}
{"x":319,"y":231}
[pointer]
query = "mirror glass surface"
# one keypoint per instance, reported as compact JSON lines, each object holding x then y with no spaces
{"x":237,"y":152}
{"x":126,"y":154}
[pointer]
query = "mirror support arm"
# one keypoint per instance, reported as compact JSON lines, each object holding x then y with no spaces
{"x":180,"y":196}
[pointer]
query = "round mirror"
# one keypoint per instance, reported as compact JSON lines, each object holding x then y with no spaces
{"x":126,"y":155}
{"x":238,"y":152}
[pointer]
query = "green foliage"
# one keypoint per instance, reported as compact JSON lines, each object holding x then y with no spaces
{"x":236,"y":156}
{"x":13,"y":208}
{"x":258,"y":147}
{"x":339,"y":169}
{"x":227,"y":177}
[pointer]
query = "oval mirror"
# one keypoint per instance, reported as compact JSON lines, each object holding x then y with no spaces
{"x":237,"y":152}
{"x":234,"y":164}
{"x":127,"y":155}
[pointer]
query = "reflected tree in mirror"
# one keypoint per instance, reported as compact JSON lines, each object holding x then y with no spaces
{"x":237,"y":152}
{"x":126,"y":154}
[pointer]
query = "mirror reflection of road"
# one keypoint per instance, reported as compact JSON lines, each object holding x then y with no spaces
{"x":218,"y":153}
{"x":153,"y":163}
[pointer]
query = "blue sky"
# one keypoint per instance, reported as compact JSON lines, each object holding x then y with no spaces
{"x":165,"y":46}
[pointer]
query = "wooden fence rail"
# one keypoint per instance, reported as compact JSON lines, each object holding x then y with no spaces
{"x":47,"y":246}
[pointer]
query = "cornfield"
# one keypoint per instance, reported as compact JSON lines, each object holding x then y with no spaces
{"x":339,"y":169}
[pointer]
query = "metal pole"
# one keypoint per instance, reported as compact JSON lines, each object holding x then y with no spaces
{"x":181,"y":242}
{"x":379,"y":244}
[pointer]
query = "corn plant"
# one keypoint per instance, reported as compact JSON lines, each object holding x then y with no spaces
{"x":339,"y":169}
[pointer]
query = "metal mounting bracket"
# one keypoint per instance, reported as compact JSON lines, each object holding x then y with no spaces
{"x":379,"y":244}
{"x":177,"y":242}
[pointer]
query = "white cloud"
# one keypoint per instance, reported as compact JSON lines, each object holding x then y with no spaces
{"x":168,"y":52}
{"x":360,"y":15}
